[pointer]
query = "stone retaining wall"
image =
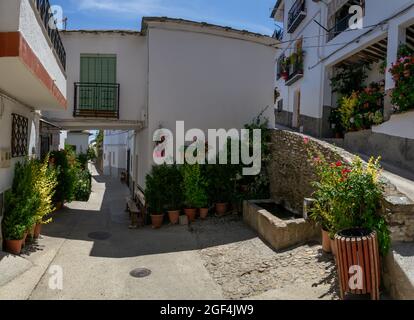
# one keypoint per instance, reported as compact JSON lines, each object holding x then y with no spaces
{"x":291,"y":175}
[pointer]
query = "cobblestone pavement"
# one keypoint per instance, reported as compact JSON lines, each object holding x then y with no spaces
{"x":249,"y":268}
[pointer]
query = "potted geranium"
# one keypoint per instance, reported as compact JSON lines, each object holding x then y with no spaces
{"x":350,"y":196}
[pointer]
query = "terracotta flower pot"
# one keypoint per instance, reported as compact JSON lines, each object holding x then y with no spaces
{"x":14,"y":246}
{"x":24,"y":239}
{"x":157,"y":220}
{"x":203,"y":213}
{"x":191,"y":214}
{"x":326,"y":242}
{"x":174,"y":216}
{"x":221,"y":208}
{"x":37,"y":230}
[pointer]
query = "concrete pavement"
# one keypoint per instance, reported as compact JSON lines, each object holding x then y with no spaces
{"x":100,"y":269}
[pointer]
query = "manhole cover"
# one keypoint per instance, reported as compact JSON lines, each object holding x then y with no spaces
{"x":140,"y":273}
{"x":99,"y":235}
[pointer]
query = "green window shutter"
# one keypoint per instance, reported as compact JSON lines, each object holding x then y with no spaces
{"x":99,"y":70}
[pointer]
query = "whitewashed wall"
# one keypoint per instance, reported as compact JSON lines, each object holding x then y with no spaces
{"x":80,"y":140}
{"x":208,"y":81}
{"x":131,"y":52}
{"x":6,"y":174}
{"x":35,"y":34}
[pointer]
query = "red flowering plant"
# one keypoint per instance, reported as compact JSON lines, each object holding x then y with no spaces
{"x":348,"y":195}
{"x":402,"y":96}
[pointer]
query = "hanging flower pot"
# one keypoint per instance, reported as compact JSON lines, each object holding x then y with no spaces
{"x":358,"y":262}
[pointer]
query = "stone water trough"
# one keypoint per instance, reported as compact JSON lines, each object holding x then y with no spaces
{"x":281,"y":228}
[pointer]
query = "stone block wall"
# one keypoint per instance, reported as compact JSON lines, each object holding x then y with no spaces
{"x":291,"y":175}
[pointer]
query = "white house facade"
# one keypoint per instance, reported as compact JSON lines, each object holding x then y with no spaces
{"x":208,"y":76}
{"x":319,"y":37}
{"x":78,"y":140}
{"x":32,"y":79}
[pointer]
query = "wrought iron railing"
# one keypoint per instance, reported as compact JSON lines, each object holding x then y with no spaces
{"x":45,"y":12}
{"x":296,"y":14}
{"x":96,"y":100}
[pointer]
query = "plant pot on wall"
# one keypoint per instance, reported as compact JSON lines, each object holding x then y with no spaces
{"x":191,"y":214}
{"x":174,"y":216}
{"x":157,"y":220}
{"x":358,"y":251}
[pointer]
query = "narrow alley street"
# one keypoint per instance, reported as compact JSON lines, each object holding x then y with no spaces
{"x":211,"y":259}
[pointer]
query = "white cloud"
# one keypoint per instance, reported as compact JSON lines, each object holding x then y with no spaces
{"x":137,"y":7}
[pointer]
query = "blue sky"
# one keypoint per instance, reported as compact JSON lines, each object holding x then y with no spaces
{"x":252,"y":15}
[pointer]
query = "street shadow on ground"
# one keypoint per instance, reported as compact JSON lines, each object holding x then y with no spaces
{"x":77,"y":221}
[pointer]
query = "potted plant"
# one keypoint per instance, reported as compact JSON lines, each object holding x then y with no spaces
{"x":21,"y":203}
{"x":154,"y":196}
{"x":63,"y":161}
{"x":173,"y":192}
{"x":194,"y":187}
{"x":350,"y":195}
{"x":221,"y":186}
{"x":285,"y":67}
{"x":45,"y":186}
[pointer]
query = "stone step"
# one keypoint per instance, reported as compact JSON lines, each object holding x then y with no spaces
{"x":399,"y":271}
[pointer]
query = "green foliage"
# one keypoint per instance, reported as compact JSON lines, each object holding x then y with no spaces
{"x":45,"y":185}
{"x":402,"y":96}
{"x":83,"y":184}
{"x":82,"y":160}
{"x":361,"y":110}
{"x":350,"y":79}
{"x":349,"y":196}
{"x":154,"y":186}
{"x":173,"y":187}
{"x":91,"y":154}
{"x":194,"y":187}
{"x":63,"y":161}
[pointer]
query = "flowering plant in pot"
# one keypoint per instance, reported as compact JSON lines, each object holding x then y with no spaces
{"x":402,"y":71}
{"x":349,"y":197}
{"x":194,"y":187}
{"x":154,"y":196}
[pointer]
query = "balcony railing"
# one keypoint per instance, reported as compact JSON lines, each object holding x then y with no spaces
{"x":43,"y":7}
{"x":296,"y":14}
{"x":295,"y":73}
{"x":96,"y":100}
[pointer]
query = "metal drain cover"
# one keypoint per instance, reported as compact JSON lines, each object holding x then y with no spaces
{"x":140,"y":273}
{"x":99,"y":235}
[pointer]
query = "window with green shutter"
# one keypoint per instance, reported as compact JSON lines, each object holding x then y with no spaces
{"x":98,"y":87}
